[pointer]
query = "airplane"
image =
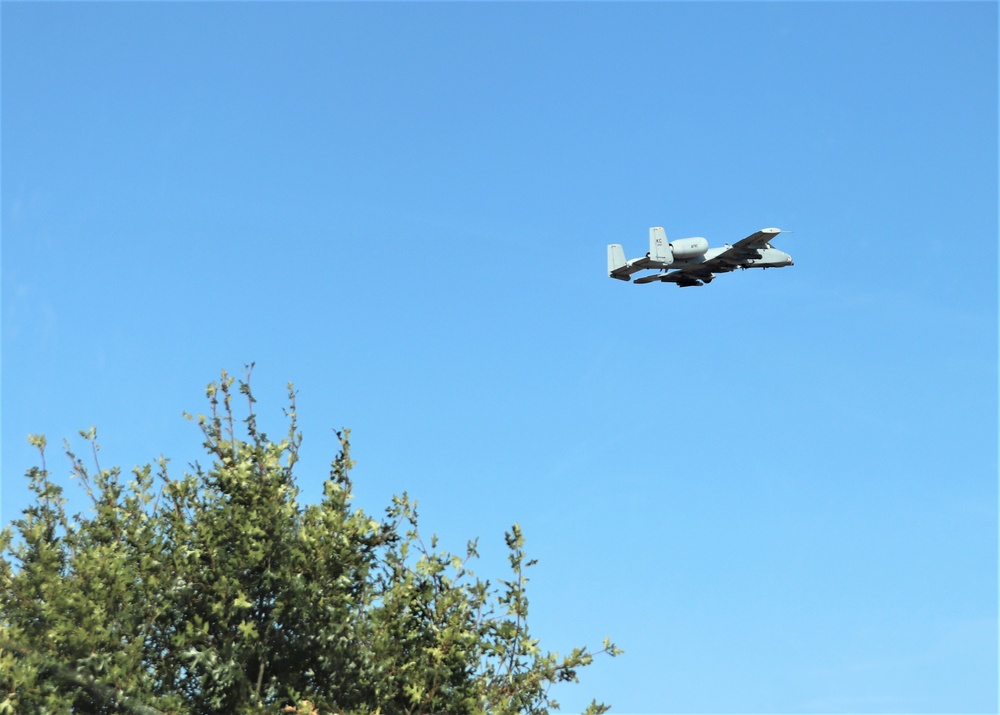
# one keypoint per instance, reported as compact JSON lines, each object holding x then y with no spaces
{"x":690,"y":262}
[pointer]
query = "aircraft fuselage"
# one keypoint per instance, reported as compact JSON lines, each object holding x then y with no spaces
{"x":769,"y":258}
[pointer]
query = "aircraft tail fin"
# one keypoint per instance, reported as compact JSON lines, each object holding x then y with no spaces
{"x":616,"y":262}
{"x":659,"y":249}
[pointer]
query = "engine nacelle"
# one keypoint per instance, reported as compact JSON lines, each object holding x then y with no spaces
{"x":689,"y":247}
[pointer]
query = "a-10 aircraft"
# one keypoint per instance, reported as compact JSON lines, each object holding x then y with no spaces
{"x":690,"y":262}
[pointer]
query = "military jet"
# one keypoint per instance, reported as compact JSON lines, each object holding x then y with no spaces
{"x":690,"y":262}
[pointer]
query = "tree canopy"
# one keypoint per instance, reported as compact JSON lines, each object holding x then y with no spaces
{"x":218,"y":592}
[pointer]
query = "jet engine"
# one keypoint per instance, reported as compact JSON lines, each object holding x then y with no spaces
{"x":689,"y":247}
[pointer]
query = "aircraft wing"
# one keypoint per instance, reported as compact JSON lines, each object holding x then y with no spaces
{"x":686,"y":279}
{"x":683,"y":278}
{"x":743,"y":250}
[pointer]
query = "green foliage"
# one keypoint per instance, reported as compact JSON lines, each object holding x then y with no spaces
{"x":216,"y":592}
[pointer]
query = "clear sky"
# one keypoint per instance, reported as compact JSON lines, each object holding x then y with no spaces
{"x":777,"y":493}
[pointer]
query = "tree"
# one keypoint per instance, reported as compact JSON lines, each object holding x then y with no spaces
{"x":217,"y":592}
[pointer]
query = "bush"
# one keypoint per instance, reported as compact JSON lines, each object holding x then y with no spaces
{"x":218,"y":593}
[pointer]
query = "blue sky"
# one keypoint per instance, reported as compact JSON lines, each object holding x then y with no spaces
{"x":777,"y":493}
